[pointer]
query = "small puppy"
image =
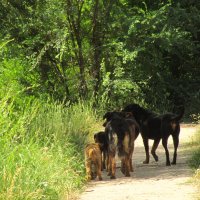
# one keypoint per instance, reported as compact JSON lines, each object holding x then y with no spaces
{"x":93,"y":161}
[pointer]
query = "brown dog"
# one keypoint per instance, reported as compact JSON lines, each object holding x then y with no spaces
{"x":93,"y":161}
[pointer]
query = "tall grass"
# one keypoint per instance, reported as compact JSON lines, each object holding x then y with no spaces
{"x":41,"y":148}
{"x":195,"y":159}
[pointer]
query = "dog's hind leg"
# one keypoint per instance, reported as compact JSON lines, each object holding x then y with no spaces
{"x":175,"y":137}
{"x":176,"y":143}
{"x":109,"y":165}
{"x":107,"y":162}
{"x":127,"y":166}
{"x":130,"y":158}
{"x":146,"y":146}
{"x":164,"y":143}
{"x":123,"y":166}
{"x":88,"y":169}
{"x":154,"y":147}
{"x":99,"y":164}
{"x":113,"y":168}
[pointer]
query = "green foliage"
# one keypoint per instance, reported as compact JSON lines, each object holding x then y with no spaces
{"x":54,"y":54}
{"x":195,"y":160}
{"x":41,"y":142}
{"x":149,"y":50}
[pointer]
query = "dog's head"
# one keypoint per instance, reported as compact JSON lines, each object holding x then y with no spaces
{"x":134,"y":108}
{"x":100,"y":138}
{"x":116,"y":115}
{"x":110,"y":116}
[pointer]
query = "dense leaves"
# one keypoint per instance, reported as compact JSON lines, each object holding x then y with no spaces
{"x":115,"y":51}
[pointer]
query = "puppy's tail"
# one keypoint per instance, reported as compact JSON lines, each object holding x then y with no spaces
{"x":91,"y":153}
{"x":179,"y":117}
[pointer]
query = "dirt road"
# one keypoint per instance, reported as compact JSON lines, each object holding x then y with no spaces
{"x":154,"y":181}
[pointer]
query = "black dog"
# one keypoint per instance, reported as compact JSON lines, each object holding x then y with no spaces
{"x":121,"y":131}
{"x":157,"y":127}
{"x":101,"y":138}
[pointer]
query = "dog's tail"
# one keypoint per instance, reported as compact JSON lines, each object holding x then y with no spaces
{"x":121,"y":152}
{"x":123,"y":146}
{"x":179,"y":116}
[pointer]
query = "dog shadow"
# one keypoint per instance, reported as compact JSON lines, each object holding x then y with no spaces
{"x":153,"y":170}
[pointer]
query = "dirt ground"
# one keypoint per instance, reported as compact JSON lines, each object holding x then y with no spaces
{"x":154,"y":181}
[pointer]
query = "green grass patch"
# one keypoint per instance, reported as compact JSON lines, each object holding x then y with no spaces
{"x":195,"y":146}
{"x":33,"y":172}
{"x":42,"y":148}
{"x":195,"y":159}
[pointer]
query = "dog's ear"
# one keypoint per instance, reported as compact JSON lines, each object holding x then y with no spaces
{"x":105,"y":123}
{"x":128,"y":114}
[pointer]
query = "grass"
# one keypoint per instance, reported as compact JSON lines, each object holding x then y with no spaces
{"x":42,"y":149}
{"x":195,"y":159}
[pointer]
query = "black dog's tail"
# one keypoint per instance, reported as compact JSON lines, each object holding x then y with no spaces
{"x":123,"y":146}
{"x":121,"y":152}
{"x":178,"y":117}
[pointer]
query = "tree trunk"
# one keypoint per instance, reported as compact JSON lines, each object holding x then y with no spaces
{"x":74,"y":19}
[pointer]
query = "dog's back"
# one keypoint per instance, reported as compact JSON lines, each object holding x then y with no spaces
{"x":149,"y":122}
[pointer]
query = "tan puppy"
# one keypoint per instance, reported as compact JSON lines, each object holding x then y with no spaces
{"x":93,"y":161}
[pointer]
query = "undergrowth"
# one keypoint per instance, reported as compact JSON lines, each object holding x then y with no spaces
{"x":42,"y":148}
{"x":195,"y":160}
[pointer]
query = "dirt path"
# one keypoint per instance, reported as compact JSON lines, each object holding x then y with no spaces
{"x":154,"y":181}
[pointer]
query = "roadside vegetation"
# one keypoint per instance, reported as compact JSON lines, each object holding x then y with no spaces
{"x":63,"y":63}
{"x":194,"y":162}
{"x":42,"y":149}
